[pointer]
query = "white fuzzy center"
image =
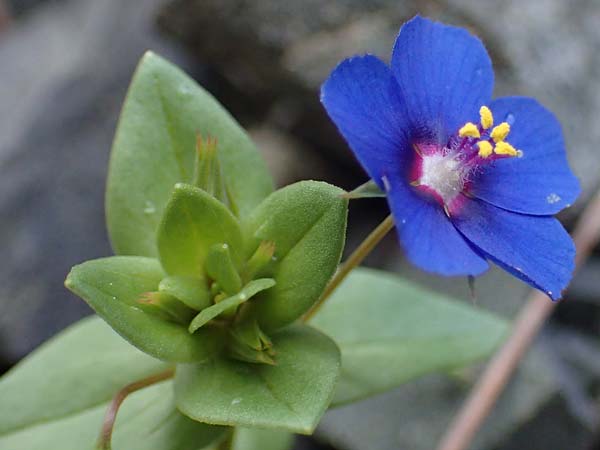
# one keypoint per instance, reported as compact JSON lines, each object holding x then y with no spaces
{"x":444,"y":175}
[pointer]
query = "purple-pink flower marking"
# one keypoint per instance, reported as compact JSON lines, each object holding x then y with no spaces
{"x":468,"y":179}
{"x":445,"y":172}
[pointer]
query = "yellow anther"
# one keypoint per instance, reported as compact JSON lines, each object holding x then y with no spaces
{"x":469,"y":130}
{"x":500,"y":132}
{"x":487,"y":118}
{"x":485,"y":149}
{"x":504,"y":148}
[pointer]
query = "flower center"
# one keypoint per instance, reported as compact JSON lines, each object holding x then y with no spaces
{"x":444,"y":175}
{"x":445,"y":172}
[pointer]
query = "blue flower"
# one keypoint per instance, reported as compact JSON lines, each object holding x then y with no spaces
{"x":468,"y":179}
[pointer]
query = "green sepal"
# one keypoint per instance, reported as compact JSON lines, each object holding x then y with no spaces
{"x":260,"y":260}
{"x":193,"y":222}
{"x":166,"y":306}
{"x":112,"y":286}
{"x":306,"y":221}
{"x":248,"y":331}
{"x":207,"y":171}
{"x":366,"y":190}
{"x":192,"y":291}
{"x":240,"y":351}
{"x":165,"y":110}
{"x":291,"y":395}
{"x":249,"y":291}
{"x":220,"y":267}
{"x":249,"y":343}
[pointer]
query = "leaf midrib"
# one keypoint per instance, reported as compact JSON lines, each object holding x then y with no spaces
{"x":169,"y":127}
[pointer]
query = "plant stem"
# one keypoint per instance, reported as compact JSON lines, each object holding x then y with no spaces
{"x":538,"y":308}
{"x":227,"y":443}
{"x":354,"y":260}
{"x":111,"y":413}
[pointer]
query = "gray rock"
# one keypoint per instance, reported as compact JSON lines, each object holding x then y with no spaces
{"x":70,"y":64}
{"x":275,"y":55}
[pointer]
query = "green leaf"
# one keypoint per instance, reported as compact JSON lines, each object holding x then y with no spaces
{"x":192,"y":291}
{"x":390,"y":331}
{"x":154,"y":148}
{"x":207,"y":169}
{"x":166,"y":306}
{"x":307,"y":223}
{"x":112,"y":286}
{"x":257,"y":439}
{"x":147,"y":420}
{"x":193,"y":222}
{"x":77,"y":370}
{"x":291,"y":395}
{"x":249,"y":291}
{"x":220,"y":267}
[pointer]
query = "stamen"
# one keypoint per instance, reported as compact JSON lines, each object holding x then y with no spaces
{"x":500,"y":132}
{"x":469,"y":130}
{"x":504,"y":148}
{"x":446,"y":210}
{"x":485,"y":149}
{"x":417,"y":149}
{"x":487,"y":118}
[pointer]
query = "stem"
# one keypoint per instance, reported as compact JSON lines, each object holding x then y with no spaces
{"x":354,"y":260}
{"x":227,"y":443}
{"x":486,"y":391}
{"x":111,"y":413}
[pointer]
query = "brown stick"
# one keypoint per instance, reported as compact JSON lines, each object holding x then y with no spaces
{"x":357,"y":256}
{"x":5,"y":16}
{"x":104,"y":441}
{"x":486,"y":391}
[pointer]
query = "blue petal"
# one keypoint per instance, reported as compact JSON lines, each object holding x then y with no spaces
{"x":541,"y":181}
{"x":536,"y":249}
{"x":445,"y":75}
{"x":360,"y":97}
{"x":429,"y":239}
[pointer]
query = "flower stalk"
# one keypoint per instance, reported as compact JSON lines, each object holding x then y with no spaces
{"x":104,"y":441}
{"x":352,"y":262}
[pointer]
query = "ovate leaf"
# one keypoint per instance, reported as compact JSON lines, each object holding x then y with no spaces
{"x":154,"y":148}
{"x":147,"y":420}
{"x":112,"y":286}
{"x":391,"y":331}
{"x":82,"y":367}
{"x":307,"y":223}
{"x":193,"y":222}
{"x":258,"y":439}
{"x":192,"y":291}
{"x":291,"y":395}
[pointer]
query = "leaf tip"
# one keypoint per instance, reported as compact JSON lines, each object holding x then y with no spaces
{"x":148,"y":54}
{"x":69,"y":283}
{"x":180,"y":187}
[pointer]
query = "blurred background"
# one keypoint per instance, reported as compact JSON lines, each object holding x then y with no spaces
{"x":64,"y":69}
